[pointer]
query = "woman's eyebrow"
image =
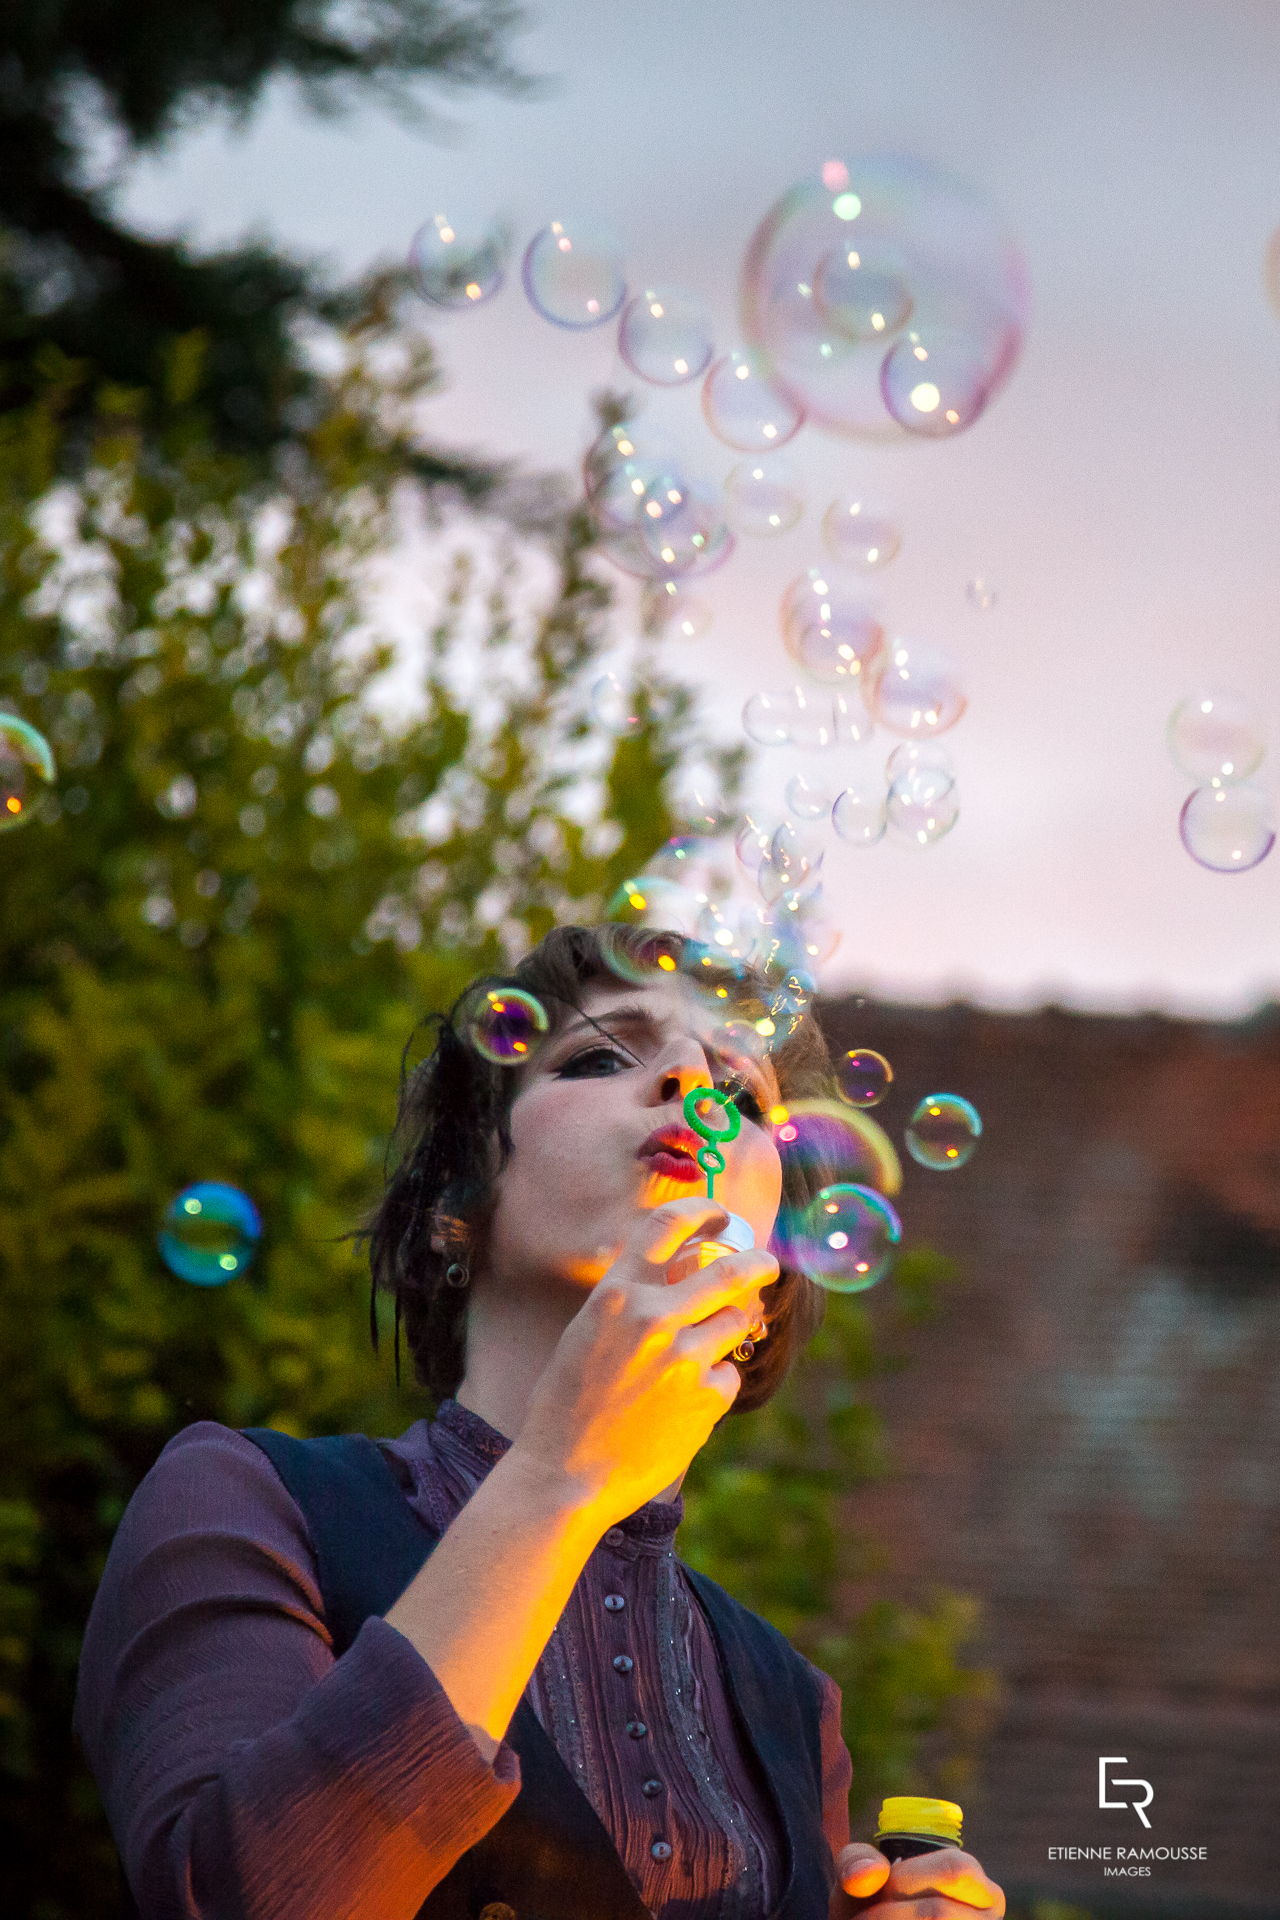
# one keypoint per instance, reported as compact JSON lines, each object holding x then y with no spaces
{"x":637,"y":1017}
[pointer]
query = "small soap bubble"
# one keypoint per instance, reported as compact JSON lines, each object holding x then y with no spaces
{"x":828,"y":627}
{"x":790,"y":716}
{"x":665,"y":337}
{"x":504,"y":1024}
{"x":683,"y":528}
{"x":935,"y":386}
{"x":863,"y":294}
{"x":793,"y":862}
{"x":743,"y":409}
{"x":650,"y":957}
{"x":853,"y":724}
{"x":1216,"y":738}
{"x":1228,"y":829}
{"x":922,"y":769}
{"x":679,"y":612}
{"x":752,"y":843}
{"x":859,"y":814}
{"x":805,"y":800}
{"x":27,"y":771}
{"x":452,"y":267}
{"x":209,"y":1234}
{"x":860,"y":534}
{"x":615,"y":705}
{"x":573,"y":274}
{"x":943,"y":1131}
{"x":865,"y":1076}
{"x":848,"y":1238}
{"x":914,"y":690}
{"x":763,"y":497}
{"x":921,"y":822}
{"x":980,"y":594}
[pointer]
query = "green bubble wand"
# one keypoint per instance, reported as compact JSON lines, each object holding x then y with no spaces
{"x":736,"y":1235}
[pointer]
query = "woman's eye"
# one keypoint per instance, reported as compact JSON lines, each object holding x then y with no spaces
{"x":594,"y":1060}
{"x":747,"y":1104}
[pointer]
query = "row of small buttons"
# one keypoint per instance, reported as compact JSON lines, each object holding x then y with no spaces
{"x":623,"y":1663}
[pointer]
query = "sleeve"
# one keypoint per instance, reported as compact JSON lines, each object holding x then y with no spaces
{"x":837,"y":1767}
{"x":246,"y":1773}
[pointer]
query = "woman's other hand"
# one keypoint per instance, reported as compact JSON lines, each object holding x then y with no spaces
{"x":641,"y":1375}
{"x":943,"y":1884}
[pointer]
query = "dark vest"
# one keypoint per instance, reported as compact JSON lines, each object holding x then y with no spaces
{"x":550,"y":1856}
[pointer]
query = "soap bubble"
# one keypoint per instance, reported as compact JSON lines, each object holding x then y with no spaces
{"x":670,"y":605}
{"x":860,"y":534}
{"x":832,"y":1142}
{"x":805,"y":800}
{"x":763,"y":497}
{"x":209,"y":1234}
{"x":919,"y":236}
{"x":615,"y":705}
{"x":797,"y":935}
{"x":665,"y":337}
{"x":789,"y":716}
{"x":504,"y":1024}
{"x":848,"y":1238}
{"x":27,"y":771}
{"x":917,"y":814}
{"x":980,"y":594}
{"x":865,"y":1076}
{"x":922,"y":769}
{"x":853,"y":724}
{"x":455,"y":268}
{"x":943,"y":1131}
{"x":1228,"y":829}
{"x":864,"y":296}
{"x":793,"y":862}
{"x":828,"y":627}
{"x":935,"y":385}
{"x":656,"y":954}
{"x":743,"y":409}
{"x":914,"y":690}
{"x":731,"y":928}
{"x":859,"y":814}
{"x":752,"y":843}
{"x":1216,"y":738}
{"x":682,"y":525}
{"x":573,"y":274}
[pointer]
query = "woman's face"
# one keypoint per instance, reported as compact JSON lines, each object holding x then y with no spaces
{"x":584,"y":1157}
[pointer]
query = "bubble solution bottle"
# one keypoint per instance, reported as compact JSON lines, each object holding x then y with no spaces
{"x":909,"y":1824}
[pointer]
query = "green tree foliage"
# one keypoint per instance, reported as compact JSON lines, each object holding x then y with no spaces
{"x":271,"y":852}
{"x":78,"y":75}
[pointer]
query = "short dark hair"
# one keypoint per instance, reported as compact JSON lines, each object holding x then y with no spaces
{"x":454,"y":1110}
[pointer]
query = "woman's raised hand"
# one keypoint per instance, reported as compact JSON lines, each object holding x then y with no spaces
{"x":640,"y":1375}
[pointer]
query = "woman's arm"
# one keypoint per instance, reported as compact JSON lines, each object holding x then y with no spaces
{"x":246,"y":1772}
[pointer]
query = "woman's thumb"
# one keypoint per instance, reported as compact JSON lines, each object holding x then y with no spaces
{"x":863,"y":1869}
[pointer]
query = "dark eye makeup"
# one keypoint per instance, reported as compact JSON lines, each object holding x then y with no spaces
{"x":600,"y":1060}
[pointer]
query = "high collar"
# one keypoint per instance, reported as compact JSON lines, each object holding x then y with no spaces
{"x":464,"y":1438}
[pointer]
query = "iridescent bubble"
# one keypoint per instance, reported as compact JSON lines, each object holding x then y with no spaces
{"x":647,"y":959}
{"x":743,"y":409}
{"x":935,"y":385}
{"x":27,"y":771}
{"x":918,"y":816}
{"x":504,"y":1024}
{"x":914,"y":690}
{"x":730,"y":928}
{"x":789,"y":716}
{"x":1216,"y":738}
{"x":859,"y":814}
{"x":682,"y":614}
{"x":805,"y":800}
{"x":831,"y":1143}
{"x":943,"y":1131}
{"x":210,"y":1234}
{"x":980,"y":594}
{"x":865,"y":296}
{"x":763,"y":497}
{"x":1228,"y":829}
{"x":573,"y":274}
{"x":918,"y":236}
{"x":452,"y":267}
{"x":828,"y":627}
{"x":922,"y":768}
{"x":615,"y":705}
{"x":848,"y":1238}
{"x":752,"y":842}
{"x":860,"y":534}
{"x":798,"y":936}
{"x":665,"y":337}
{"x":793,"y":862}
{"x":865,"y":1076}
{"x":684,"y":529}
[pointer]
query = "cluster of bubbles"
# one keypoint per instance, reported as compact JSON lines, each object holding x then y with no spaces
{"x":1228,"y":820}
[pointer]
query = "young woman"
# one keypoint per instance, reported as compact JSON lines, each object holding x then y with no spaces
{"x":462,"y":1674}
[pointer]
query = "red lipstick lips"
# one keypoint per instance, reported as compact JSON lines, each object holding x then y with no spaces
{"x":672,"y":1152}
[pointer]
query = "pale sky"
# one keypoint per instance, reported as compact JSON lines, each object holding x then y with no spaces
{"x":1122,"y":495}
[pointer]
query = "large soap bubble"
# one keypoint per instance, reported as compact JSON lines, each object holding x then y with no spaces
{"x":856,"y":253}
{"x":27,"y":771}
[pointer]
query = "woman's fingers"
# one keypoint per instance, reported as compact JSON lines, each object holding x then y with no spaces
{"x":666,"y":1228}
{"x":715,"y":1337}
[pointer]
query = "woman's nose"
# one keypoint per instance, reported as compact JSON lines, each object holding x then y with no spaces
{"x":674,"y":1078}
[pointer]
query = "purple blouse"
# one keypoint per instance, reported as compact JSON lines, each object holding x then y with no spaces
{"x":248,"y":1775}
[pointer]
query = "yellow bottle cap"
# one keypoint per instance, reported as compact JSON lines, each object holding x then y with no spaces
{"x":910,"y":1813}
